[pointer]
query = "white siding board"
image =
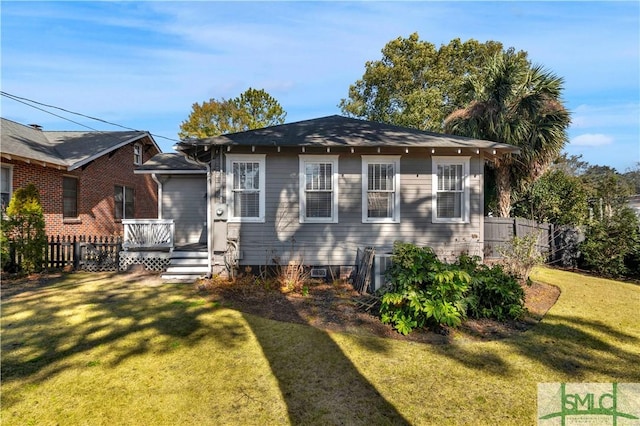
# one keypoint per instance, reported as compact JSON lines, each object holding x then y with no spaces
{"x":184,"y":200}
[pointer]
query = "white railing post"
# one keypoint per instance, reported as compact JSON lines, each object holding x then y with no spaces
{"x":148,"y":233}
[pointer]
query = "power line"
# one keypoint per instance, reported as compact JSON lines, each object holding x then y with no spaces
{"x":29,"y":103}
{"x":48,"y":112}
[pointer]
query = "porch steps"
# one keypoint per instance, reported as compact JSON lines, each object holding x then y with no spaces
{"x":186,"y":266}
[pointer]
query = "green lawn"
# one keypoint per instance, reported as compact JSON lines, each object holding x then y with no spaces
{"x":123,"y":349}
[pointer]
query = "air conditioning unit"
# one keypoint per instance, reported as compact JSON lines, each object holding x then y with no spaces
{"x":381,"y":262}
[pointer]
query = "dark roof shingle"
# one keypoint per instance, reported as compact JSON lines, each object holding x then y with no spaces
{"x":71,"y":149}
{"x":336,"y":130}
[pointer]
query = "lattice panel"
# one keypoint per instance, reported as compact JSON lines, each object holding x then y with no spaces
{"x":151,"y":261}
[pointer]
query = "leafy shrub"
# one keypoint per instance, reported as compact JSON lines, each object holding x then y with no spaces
{"x":611,"y":244}
{"x":5,"y":257}
{"x":493,"y":293}
{"x":24,"y":226}
{"x":425,"y":290}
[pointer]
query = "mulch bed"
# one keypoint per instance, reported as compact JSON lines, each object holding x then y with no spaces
{"x":335,"y":307}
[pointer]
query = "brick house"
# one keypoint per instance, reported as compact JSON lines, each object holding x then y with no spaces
{"x":86,"y":179}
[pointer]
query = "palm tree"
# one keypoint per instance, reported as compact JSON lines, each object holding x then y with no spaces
{"x":517,"y":104}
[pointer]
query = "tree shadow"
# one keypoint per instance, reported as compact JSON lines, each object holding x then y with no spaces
{"x":112,"y":316}
{"x":318,"y":382}
{"x":570,"y":346}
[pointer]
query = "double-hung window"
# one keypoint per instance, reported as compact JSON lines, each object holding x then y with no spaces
{"x":137,"y":154}
{"x":5,"y":186}
{"x":246,"y":187}
{"x":123,"y":197}
{"x":380,"y":189}
{"x":70,"y":197}
{"x":450,"y":189}
{"x":319,"y":188}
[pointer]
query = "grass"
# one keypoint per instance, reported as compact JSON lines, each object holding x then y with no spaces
{"x":125,"y":349}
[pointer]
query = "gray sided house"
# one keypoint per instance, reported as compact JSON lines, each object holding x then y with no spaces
{"x":316,"y":191}
{"x":182,"y":196}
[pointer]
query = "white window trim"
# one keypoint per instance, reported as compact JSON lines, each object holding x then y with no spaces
{"x":380,"y":159}
{"x":10,"y":168}
{"x":303,"y":160}
{"x":245,"y":158}
{"x":450,"y":160}
{"x":137,"y":147}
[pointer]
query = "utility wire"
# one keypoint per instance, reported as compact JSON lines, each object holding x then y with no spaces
{"x":29,"y":102}
{"x":48,"y":112}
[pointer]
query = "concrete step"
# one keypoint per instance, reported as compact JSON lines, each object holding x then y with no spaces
{"x":192,"y":270}
{"x":186,"y":266}
{"x":187,"y":261}
{"x":179,"y":278}
{"x":188,"y":255}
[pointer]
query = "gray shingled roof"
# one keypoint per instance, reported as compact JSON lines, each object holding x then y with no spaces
{"x":26,"y":142}
{"x":335,"y":131}
{"x":170,"y":162}
{"x":68,"y":149}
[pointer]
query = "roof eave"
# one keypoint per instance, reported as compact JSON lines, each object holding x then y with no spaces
{"x":169,"y":172}
{"x":23,"y":159}
{"x":99,"y":154}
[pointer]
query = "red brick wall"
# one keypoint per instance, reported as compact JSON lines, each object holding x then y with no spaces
{"x":96,"y":182}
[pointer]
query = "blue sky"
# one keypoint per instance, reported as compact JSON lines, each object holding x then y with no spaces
{"x":143,"y":64}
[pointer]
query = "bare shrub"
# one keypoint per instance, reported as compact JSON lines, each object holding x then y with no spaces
{"x":521,"y":254}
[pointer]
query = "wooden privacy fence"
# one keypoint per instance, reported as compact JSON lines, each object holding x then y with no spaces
{"x":498,"y":231}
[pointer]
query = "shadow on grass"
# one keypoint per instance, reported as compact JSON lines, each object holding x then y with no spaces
{"x":570,"y":346}
{"x":109,"y":316}
{"x":318,"y":382}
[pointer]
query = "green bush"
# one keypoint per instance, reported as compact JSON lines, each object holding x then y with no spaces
{"x":425,"y":290}
{"x":493,"y":293}
{"x":428,"y":292}
{"x":24,"y":227}
{"x":611,"y":244}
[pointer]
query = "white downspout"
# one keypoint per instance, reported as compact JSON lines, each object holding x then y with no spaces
{"x":159,"y":193}
{"x":209,"y":221}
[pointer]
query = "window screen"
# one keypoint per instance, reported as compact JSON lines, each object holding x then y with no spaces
{"x":123,"y":197}
{"x":380,"y":190}
{"x":69,"y":197}
{"x":319,"y":190}
{"x":450,"y":191}
{"x":5,"y":187}
{"x":246,"y":189}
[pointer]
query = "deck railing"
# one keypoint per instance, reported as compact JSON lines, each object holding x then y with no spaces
{"x":148,"y":234}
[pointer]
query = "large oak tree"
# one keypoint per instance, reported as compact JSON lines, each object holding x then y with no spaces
{"x":416,"y":84}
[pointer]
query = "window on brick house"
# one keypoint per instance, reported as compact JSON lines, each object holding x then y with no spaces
{"x":5,"y":186}
{"x":137,"y":154}
{"x":69,"y":196}
{"x":123,"y":202}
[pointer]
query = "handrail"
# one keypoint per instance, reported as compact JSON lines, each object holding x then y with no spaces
{"x":148,"y":233}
